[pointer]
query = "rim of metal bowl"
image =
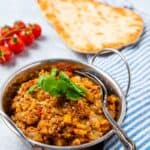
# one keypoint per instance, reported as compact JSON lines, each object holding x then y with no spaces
{"x":99,"y":71}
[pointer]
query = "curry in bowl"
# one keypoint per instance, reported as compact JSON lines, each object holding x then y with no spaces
{"x":62,"y":108}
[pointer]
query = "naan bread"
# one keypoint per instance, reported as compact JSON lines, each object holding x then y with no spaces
{"x":88,"y":26}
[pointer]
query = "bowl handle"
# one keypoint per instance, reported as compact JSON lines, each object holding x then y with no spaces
{"x":14,"y":128}
{"x":104,"y":51}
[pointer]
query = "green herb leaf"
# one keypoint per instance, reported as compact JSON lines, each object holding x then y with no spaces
{"x":71,"y":95}
{"x":63,"y":76}
{"x":72,"y":85}
{"x":53,"y":72}
{"x":32,"y":89}
{"x":50,"y":85}
{"x":41,"y":80}
{"x":60,"y":85}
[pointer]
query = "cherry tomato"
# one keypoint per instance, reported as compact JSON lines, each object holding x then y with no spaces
{"x":5,"y":54}
{"x":27,"y":36}
{"x":2,"y":42}
{"x":19,"y":24}
{"x":16,"y":45}
{"x":36,"y":29}
{"x":5,"y":30}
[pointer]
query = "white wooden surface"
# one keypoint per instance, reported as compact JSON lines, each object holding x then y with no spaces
{"x":46,"y":47}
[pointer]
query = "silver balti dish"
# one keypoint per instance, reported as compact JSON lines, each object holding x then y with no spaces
{"x":30,"y":71}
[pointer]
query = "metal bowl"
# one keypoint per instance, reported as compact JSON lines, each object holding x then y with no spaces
{"x":30,"y":71}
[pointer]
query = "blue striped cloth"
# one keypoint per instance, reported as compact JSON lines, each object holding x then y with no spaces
{"x":137,"y":120}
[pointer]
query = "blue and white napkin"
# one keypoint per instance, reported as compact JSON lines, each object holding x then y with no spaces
{"x":137,"y":120}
